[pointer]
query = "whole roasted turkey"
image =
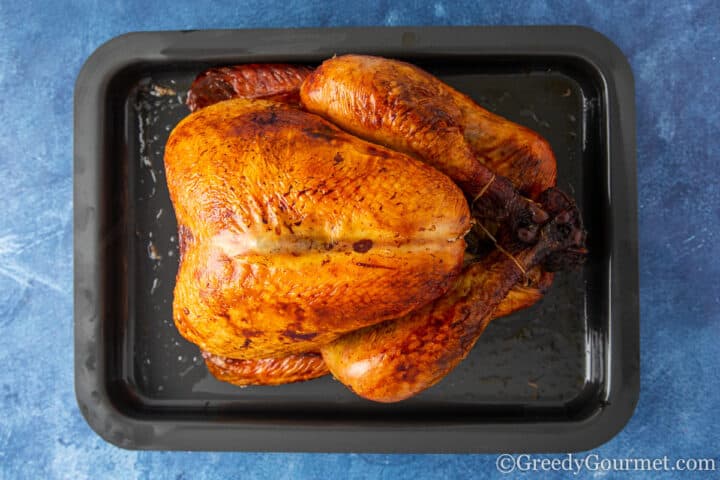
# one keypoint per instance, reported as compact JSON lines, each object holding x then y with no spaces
{"x":362,"y":219}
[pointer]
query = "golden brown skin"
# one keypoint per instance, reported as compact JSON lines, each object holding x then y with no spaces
{"x":280,"y":82}
{"x":306,"y":366}
{"x":397,"y":104}
{"x":397,"y":359}
{"x":294,"y":232}
{"x":522,"y":296}
{"x":269,"y":81}
{"x":266,"y":371}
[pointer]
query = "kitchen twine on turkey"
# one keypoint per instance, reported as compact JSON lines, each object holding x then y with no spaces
{"x":497,"y":245}
{"x":482,"y":192}
{"x":508,"y":254}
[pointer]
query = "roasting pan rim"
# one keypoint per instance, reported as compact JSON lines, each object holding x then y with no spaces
{"x":113,"y":421}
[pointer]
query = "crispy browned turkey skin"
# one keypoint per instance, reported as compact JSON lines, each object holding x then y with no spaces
{"x":397,"y":359}
{"x":267,"y":371}
{"x":268,"y":81}
{"x":399,"y":105}
{"x":262,"y":193}
{"x":299,"y":232}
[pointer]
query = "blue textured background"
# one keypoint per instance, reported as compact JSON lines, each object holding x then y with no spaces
{"x":674,"y":51}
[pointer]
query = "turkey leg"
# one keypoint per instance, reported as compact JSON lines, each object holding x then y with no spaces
{"x":394,"y":360}
{"x":306,"y":366}
{"x":401,"y":106}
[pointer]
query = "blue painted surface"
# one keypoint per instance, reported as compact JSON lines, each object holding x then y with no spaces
{"x":674,"y":50}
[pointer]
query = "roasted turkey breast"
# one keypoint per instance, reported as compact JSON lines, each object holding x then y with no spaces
{"x":294,"y":232}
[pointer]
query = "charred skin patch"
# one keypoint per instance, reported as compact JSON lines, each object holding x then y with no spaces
{"x":372,"y":265}
{"x":299,"y":336}
{"x":320,"y":133}
{"x":185,"y":237}
{"x":264,"y":118}
{"x":363,"y":246}
{"x":251,"y":332}
{"x":207,"y":89}
{"x":377,"y":152}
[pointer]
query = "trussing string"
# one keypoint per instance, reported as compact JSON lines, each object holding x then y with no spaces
{"x":486,"y":231}
{"x":484,"y":189}
{"x":508,"y":254}
{"x":494,"y":240}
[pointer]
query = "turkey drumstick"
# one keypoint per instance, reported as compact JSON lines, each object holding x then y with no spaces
{"x":405,"y":108}
{"x":397,"y":359}
{"x":402,"y":107}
